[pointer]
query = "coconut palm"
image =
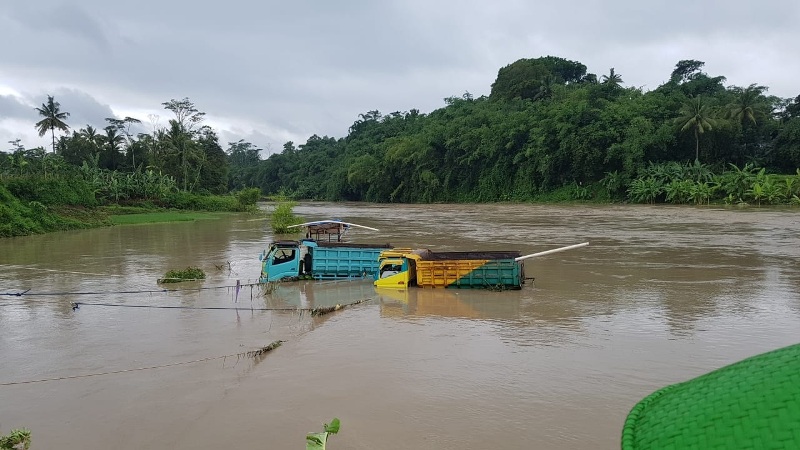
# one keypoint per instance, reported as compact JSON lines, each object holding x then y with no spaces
{"x":545,"y":88}
{"x":90,"y":134}
{"x":53,"y":118}
{"x":749,"y":105}
{"x":747,"y":108}
{"x":112,"y":142}
{"x":613,"y":78}
{"x":695,"y":116}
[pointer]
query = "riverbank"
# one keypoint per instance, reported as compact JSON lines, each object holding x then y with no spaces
{"x":43,"y":214}
{"x":127,"y":215}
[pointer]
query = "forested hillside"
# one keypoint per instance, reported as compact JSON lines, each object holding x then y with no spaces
{"x":548,"y":131}
{"x":550,"y":128}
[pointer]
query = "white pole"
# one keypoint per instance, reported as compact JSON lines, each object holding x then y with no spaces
{"x":547,"y":252}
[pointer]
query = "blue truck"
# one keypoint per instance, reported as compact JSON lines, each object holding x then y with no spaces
{"x":321,"y":255}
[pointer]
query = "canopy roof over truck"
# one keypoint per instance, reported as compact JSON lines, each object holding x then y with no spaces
{"x":328,"y":228}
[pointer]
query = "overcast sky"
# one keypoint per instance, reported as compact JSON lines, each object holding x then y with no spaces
{"x":274,"y":71}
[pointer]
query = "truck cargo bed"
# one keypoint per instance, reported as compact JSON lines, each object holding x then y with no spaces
{"x":339,"y":260}
{"x":505,"y":273}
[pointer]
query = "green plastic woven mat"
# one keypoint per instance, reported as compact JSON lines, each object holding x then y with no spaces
{"x":751,"y":404}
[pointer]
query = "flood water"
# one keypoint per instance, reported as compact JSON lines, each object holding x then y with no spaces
{"x":661,"y":295}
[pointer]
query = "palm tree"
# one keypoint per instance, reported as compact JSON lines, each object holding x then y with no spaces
{"x":128,"y":122}
{"x":545,"y":88}
{"x":748,"y":106}
{"x":90,"y":134}
{"x":613,"y":78}
{"x":112,"y":141}
{"x":696,"y":116}
{"x":53,"y":118}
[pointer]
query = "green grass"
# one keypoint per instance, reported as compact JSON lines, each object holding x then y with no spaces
{"x":161,"y":216}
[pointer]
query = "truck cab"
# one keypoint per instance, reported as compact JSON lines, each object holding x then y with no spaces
{"x":283,"y":260}
{"x":395,"y":268}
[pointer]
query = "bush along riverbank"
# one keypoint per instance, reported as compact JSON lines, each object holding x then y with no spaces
{"x":33,"y":204}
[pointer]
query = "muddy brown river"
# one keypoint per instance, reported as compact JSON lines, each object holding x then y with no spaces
{"x":661,"y":295}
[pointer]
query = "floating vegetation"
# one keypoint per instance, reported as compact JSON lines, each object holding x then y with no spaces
{"x":188,"y":274}
{"x":20,"y":436}
{"x":321,"y":311}
{"x":317,"y":441}
{"x":260,"y":354}
{"x":262,"y":350}
{"x":19,"y":439}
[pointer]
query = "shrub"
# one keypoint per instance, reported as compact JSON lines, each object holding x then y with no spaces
{"x":248,"y":197}
{"x":188,"y":200}
{"x":53,"y":191}
{"x":282,"y":216}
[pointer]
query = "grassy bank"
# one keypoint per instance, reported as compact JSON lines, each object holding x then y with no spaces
{"x":160,"y":216}
{"x":51,"y":205}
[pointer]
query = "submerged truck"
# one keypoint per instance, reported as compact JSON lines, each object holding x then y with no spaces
{"x":309,"y":259}
{"x":401,"y":267}
{"x":322,"y":255}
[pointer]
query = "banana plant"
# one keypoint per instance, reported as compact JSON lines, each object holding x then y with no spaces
{"x":701,"y":193}
{"x":317,"y":441}
{"x":757,"y":192}
{"x":645,"y":190}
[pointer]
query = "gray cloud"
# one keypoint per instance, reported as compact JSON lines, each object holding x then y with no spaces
{"x":12,"y":108}
{"x":275,"y":71}
{"x":59,"y":20}
{"x":83,"y":108}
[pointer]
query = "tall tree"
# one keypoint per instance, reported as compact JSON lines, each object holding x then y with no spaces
{"x":524,"y":77}
{"x":53,"y":118}
{"x":82,"y":146}
{"x":792,"y":109}
{"x":186,"y":114}
{"x":612,"y":79}
{"x":89,"y":133}
{"x":695,"y":116}
{"x":112,"y":141}
{"x":243,"y":160}
{"x":182,"y":132}
{"x":214,"y":170}
{"x":748,"y":105}
{"x":124,"y":127}
{"x":686,"y":70}
{"x":749,"y":109}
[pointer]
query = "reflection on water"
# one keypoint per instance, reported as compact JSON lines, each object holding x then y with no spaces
{"x":661,"y":295}
{"x":319,"y":294}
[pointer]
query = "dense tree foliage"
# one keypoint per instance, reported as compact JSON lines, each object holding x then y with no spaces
{"x":548,"y":127}
{"x":548,"y":131}
{"x":181,"y":166}
{"x":185,"y":152}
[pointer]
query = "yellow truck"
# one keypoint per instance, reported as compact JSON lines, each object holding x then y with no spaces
{"x":403,"y":267}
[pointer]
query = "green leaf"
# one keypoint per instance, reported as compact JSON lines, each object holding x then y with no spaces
{"x":333,"y":427}
{"x":316,"y":441}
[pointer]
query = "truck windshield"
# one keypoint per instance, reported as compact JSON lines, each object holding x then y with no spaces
{"x":283,"y":255}
{"x":390,"y":269}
